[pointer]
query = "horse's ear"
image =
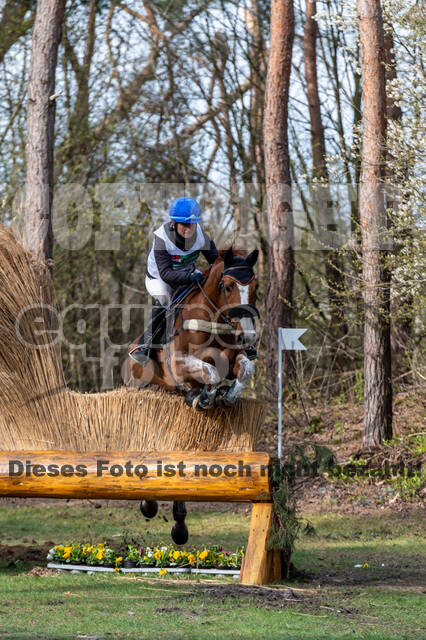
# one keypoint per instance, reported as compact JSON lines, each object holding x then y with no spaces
{"x":252,"y":258}
{"x":228,"y":257}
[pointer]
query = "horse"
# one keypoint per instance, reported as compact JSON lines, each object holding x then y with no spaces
{"x":209,"y":334}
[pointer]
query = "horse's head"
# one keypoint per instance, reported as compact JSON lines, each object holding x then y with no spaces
{"x":237,"y":292}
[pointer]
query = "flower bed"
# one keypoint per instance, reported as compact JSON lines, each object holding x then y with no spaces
{"x":167,"y":557}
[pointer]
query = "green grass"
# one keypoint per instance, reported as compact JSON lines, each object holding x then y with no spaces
{"x":60,"y":522}
{"x":380,"y":602}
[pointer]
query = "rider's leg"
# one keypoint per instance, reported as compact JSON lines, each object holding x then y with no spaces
{"x":150,"y":336}
{"x":161,"y":293}
{"x":153,"y":330}
{"x":159,"y":290}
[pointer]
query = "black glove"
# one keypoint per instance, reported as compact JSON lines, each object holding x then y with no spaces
{"x":196,"y":276}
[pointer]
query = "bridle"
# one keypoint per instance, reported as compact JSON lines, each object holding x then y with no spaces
{"x":235,"y":311}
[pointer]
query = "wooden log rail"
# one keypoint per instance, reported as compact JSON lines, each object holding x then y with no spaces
{"x":155,"y":475}
{"x":176,"y":475}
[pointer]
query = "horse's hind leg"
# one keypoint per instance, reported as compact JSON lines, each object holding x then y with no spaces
{"x":179,"y":531}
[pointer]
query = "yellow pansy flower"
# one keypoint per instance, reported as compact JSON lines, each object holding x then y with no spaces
{"x":191,"y":557}
{"x":157,"y":555}
{"x":120,"y":559}
{"x":204,"y":554}
{"x":176,"y":555}
{"x":100,"y":554}
{"x":162,"y":572}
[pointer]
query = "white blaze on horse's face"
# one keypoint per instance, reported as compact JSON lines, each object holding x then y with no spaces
{"x":247,"y":324}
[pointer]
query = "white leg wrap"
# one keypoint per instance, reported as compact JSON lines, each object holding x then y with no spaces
{"x":235,"y":391}
{"x":207,"y":372}
{"x":245,"y":371}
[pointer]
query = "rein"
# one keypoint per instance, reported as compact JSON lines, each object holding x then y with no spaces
{"x":221,"y":315}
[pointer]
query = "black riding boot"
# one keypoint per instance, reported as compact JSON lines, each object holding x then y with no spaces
{"x":153,"y":333}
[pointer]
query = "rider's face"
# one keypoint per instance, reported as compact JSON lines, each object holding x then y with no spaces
{"x":186,"y":229}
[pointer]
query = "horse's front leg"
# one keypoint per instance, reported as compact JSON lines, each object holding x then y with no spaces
{"x":204,"y":372}
{"x":243,"y":370}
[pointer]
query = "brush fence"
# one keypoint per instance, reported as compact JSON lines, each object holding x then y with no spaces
{"x":167,"y":475}
{"x":38,"y":411}
{"x":123,"y":419}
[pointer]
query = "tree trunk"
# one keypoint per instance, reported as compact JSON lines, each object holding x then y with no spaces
{"x":333,"y":263}
{"x":40,"y":127}
{"x":278,"y":182}
{"x":257,"y":96}
{"x":377,"y":354}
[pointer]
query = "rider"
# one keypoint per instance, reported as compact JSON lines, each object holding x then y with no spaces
{"x":171,"y":262}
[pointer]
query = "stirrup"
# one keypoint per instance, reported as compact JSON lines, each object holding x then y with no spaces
{"x":140,"y":354}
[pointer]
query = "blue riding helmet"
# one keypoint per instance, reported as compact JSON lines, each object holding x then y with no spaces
{"x":185,"y":210}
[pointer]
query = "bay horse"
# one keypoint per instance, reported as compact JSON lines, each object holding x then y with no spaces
{"x":209,"y":333}
{"x":208,"y":337}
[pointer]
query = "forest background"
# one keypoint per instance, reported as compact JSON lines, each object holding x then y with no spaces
{"x":158,"y":99}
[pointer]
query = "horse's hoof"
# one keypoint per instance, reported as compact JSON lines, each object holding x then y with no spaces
{"x":191,"y":398}
{"x":200,"y":406}
{"x":220,"y":400}
{"x":179,"y":533}
{"x":149,"y":508}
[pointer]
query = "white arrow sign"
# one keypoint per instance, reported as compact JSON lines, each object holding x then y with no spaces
{"x":289,"y":339}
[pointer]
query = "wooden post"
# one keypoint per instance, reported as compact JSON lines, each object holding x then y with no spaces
{"x":261,"y":565}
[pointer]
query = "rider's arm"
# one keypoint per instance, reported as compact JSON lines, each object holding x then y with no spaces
{"x":171,"y":276}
